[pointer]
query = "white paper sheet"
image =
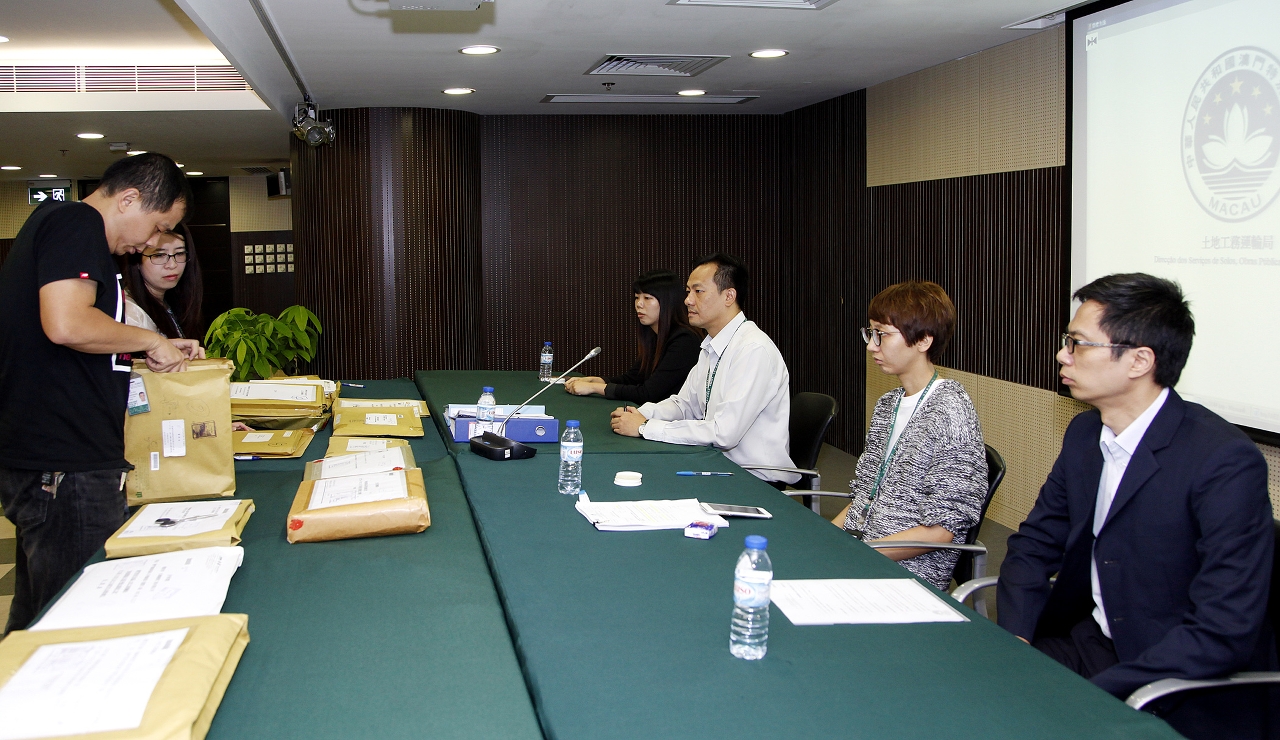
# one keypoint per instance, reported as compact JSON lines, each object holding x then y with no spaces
{"x":363,"y":462}
{"x":255,"y":437}
{"x":366,"y":445}
{"x":419,"y":407}
{"x":187,"y":583}
{"x":192,"y":517}
{"x":641,"y":516}
{"x":173,"y":434}
{"x":273,"y":391}
{"x":861,"y":601}
{"x":77,"y":688}
{"x":383,"y":420}
{"x":358,"y":489}
{"x":329,"y":385}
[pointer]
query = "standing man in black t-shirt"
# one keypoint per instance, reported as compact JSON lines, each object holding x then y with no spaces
{"x":63,"y":382}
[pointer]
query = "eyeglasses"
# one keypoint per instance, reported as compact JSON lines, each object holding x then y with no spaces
{"x":875,"y":336}
{"x":162,"y":258}
{"x":1070,"y":343}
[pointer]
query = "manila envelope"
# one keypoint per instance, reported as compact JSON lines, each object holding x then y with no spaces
{"x":370,"y":519}
{"x":228,"y":536}
{"x":361,"y":421}
{"x":272,"y":443}
{"x":315,"y":469}
{"x":356,"y":445}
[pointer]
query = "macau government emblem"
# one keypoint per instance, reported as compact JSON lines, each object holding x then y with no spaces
{"x":1231,"y":134}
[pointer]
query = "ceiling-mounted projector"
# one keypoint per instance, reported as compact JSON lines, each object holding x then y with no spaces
{"x":307,"y":128}
{"x":437,"y":4}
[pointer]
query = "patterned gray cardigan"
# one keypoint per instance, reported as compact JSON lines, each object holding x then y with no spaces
{"x":938,"y":475}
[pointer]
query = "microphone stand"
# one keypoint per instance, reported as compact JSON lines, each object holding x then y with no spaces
{"x":590,"y":354}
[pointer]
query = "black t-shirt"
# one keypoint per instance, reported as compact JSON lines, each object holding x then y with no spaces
{"x":60,"y":410}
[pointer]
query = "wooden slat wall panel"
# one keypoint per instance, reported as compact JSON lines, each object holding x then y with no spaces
{"x":387,"y":237}
{"x":575,"y":207}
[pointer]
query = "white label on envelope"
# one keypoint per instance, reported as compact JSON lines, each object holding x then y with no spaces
{"x":358,"y":489}
{"x":174,"y":433}
{"x":382,"y":420}
{"x":366,"y":445}
{"x":273,"y":392}
{"x":254,"y":437}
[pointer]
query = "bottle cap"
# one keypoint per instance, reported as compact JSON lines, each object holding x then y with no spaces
{"x":572,"y":424}
{"x":756,"y":542}
{"x":546,"y":344}
{"x":487,"y":389}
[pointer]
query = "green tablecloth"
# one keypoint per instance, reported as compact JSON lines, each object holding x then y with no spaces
{"x":625,"y":635}
{"x":427,"y":448}
{"x":440,"y":387}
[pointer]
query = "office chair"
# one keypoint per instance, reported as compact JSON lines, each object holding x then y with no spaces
{"x":1145,"y":695}
{"x":811,"y":417}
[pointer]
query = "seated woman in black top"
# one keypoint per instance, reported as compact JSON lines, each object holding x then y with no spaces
{"x":668,"y":346}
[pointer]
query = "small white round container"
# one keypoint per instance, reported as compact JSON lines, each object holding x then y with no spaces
{"x":627,"y":478}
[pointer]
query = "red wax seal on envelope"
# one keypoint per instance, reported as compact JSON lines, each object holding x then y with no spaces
{"x":295,"y":524}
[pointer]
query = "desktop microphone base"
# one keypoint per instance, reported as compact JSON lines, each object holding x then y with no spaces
{"x":497,"y":447}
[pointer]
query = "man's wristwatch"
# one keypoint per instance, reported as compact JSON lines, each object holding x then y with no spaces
{"x":640,"y":429}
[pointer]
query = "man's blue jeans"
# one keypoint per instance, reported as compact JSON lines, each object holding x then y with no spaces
{"x":58,"y":531}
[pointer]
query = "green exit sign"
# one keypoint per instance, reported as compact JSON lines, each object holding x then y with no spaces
{"x":36,"y":196}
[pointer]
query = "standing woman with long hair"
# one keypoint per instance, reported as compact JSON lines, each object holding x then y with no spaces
{"x":667,"y":347}
{"x":164,"y":287}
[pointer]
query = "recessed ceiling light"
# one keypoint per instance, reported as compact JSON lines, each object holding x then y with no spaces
{"x":180,"y":165}
{"x":48,"y":175}
{"x":3,"y":39}
{"x":136,"y":152}
{"x":769,"y":53}
{"x":479,"y":50}
{"x":691,"y":93}
{"x":89,"y":136}
{"x":193,"y":174}
{"x":10,"y":167}
{"x":458,"y":91}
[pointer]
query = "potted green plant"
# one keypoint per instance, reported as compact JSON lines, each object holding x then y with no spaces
{"x":262,"y":344}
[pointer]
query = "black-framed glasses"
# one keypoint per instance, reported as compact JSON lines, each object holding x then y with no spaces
{"x":1070,"y":343}
{"x":873,"y":336}
{"x":162,"y":258}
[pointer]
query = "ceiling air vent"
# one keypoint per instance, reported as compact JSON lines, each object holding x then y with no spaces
{"x":667,"y":65}
{"x":94,"y":78}
{"x":792,"y":4}
{"x":257,"y":170}
{"x":620,"y":98}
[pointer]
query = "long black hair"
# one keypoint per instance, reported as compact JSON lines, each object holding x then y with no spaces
{"x":669,"y":290}
{"x":183,"y":299}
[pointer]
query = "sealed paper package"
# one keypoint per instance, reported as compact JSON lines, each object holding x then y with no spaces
{"x":159,"y":680}
{"x":372,"y":505}
{"x":177,"y":434}
{"x":283,"y":403}
{"x":364,"y":421}
{"x":277,"y":443}
{"x":396,"y":458}
{"x":355,"y":445}
{"x":166,"y":527}
{"x":417,"y":405}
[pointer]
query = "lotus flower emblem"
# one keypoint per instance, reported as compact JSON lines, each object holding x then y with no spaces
{"x":1238,"y":143}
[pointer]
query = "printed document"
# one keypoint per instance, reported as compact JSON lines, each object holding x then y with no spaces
{"x":181,"y":519}
{"x":77,"y":688}
{"x":860,"y":601}
{"x":366,"y":445}
{"x":363,"y":462}
{"x":273,"y":392}
{"x":186,"y":583}
{"x":640,"y":516}
{"x":358,"y":489}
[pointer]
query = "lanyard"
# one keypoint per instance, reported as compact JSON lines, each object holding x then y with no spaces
{"x":711,"y":379}
{"x":888,"y":455}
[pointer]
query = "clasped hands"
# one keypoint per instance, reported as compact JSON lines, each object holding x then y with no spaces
{"x":626,"y":420}
{"x":585,"y":386}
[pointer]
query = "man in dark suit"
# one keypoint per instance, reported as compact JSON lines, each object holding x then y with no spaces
{"x":1155,"y":518}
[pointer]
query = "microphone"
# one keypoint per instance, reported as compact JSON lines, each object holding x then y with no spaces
{"x":498,"y":447}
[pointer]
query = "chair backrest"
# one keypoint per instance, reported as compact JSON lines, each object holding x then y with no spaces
{"x":811,"y":415}
{"x":995,"y":473}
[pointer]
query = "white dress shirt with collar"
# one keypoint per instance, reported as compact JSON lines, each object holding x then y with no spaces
{"x":749,"y":409}
{"x":1117,"y":450}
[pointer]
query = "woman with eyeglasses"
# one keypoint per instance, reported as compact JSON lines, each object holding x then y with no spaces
{"x":923,"y":474}
{"x":163,"y":287}
{"x":667,"y":347}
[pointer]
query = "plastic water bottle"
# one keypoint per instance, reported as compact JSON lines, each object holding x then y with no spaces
{"x":485,"y":406}
{"x":749,"y":630}
{"x":544,"y":363}
{"x":571,"y":458}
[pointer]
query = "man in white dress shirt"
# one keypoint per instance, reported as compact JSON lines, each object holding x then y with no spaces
{"x":737,"y":398}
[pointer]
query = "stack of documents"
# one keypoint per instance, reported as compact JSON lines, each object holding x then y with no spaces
{"x":861,"y":601}
{"x":356,"y":445}
{"x":370,"y":421}
{"x":171,"y":585}
{"x":363,"y":505}
{"x":395,"y":458}
{"x":283,"y":403}
{"x":273,"y":443}
{"x":157,"y":528}
{"x":641,"y":516}
{"x":416,"y":405}
{"x":147,"y":680}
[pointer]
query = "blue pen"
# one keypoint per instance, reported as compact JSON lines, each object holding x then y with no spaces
{"x":353,"y":385}
{"x":247,"y":457}
{"x":703,"y":472}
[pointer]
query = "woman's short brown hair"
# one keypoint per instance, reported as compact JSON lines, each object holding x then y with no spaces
{"x":918,"y":309}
